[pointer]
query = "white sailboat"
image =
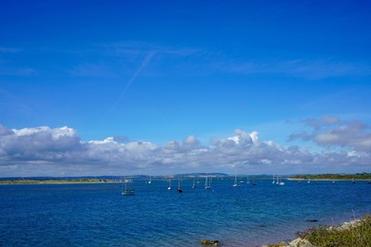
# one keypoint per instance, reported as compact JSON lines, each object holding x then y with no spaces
{"x":127,"y":191}
{"x":194,"y":183}
{"x":235,"y":184}
{"x":179,"y":189}
{"x":273,"y":181}
{"x":280,"y":182}
{"x":207,"y":183}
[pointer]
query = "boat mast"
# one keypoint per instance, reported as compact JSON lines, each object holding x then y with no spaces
{"x":235,"y":181}
{"x":169,"y":187}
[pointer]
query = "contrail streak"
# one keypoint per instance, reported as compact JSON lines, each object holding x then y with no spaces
{"x":144,"y":63}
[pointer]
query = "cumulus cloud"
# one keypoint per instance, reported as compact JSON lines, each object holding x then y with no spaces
{"x":334,"y":132}
{"x":61,"y":149}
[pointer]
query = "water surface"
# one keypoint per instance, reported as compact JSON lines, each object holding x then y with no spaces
{"x":98,"y":215}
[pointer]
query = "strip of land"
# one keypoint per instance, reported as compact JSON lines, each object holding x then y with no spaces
{"x":332,"y":177}
{"x":117,"y":179}
{"x":56,"y":181}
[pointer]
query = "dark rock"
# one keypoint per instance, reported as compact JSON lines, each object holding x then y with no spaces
{"x":206,"y":242}
{"x":312,"y":220}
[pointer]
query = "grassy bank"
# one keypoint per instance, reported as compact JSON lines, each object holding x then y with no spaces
{"x":356,"y":234}
{"x":351,"y":234}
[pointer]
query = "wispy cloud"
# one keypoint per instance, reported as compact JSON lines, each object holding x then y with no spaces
{"x":13,"y":71}
{"x":7,"y":67}
{"x":120,"y":58}
{"x":303,"y":68}
{"x":9,"y":50}
{"x":131,"y":80}
{"x":138,"y":48}
{"x":14,"y":106}
{"x":147,"y":51}
{"x":92,"y":70}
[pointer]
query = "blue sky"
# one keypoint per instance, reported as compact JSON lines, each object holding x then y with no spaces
{"x":140,"y":70}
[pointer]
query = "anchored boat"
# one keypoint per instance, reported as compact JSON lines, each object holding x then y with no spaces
{"x":127,"y":190}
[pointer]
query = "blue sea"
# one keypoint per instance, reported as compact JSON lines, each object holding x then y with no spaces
{"x":98,"y":215}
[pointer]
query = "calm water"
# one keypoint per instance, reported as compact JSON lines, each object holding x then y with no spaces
{"x":97,"y":214}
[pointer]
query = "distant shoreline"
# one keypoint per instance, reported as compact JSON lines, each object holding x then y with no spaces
{"x":55,"y":181}
{"x":329,"y":179}
{"x":366,"y":177}
{"x":333,"y":177}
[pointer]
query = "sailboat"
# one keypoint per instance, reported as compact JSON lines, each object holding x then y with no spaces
{"x":273,"y":181}
{"x":207,"y":183}
{"x":308,"y":181}
{"x":179,"y":189}
{"x":194,"y":183}
{"x":280,"y":182}
{"x":126,"y":190}
{"x":169,"y":187}
{"x":247,"y":180}
{"x":150,"y":180}
{"x":235,"y":184}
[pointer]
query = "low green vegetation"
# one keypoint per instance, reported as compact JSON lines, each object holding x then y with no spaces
{"x":357,"y":176}
{"x":357,"y":235}
{"x":353,"y":234}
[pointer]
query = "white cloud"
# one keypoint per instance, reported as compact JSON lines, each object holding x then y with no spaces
{"x":334,"y":132}
{"x":61,"y":151}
